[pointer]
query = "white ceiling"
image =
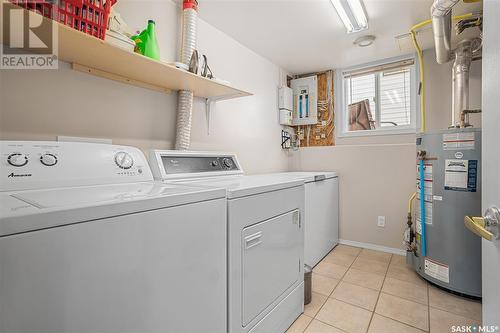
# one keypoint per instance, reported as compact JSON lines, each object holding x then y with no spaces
{"x":307,"y":35}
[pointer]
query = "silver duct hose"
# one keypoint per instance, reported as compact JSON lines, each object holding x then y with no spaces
{"x":461,"y":73}
{"x":463,"y":55}
{"x":185,"y":97}
{"x":441,"y":26}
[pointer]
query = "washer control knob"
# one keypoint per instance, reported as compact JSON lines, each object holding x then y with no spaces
{"x":17,"y":159}
{"x":214,"y":163}
{"x":48,"y":159}
{"x":227,"y":162}
{"x":124,"y":160}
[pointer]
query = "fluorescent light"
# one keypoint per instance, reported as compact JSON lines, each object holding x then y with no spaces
{"x":359,"y":13}
{"x":343,"y":15}
{"x":352,"y":14}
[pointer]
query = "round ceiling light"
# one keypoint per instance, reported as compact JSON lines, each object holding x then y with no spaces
{"x":364,"y":41}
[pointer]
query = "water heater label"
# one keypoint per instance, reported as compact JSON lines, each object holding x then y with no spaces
{"x":460,"y":175}
{"x":428,"y":182}
{"x":459,"y":141}
{"x":437,"y":270}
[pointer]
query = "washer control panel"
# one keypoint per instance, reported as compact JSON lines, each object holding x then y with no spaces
{"x":171,"y":164}
{"x":45,"y":164}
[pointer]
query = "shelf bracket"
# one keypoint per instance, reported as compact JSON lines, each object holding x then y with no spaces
{"x":208,"y":111}
{"x":210,"y":104}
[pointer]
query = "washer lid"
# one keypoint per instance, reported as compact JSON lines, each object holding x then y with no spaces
{"x":33,"y":210}
{"x":239,"y":186}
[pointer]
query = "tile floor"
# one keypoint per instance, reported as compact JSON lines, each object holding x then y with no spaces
{"x":358,"y":290}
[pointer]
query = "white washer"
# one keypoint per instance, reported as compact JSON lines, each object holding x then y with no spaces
{"x":265,"y":237}
{"x":321,"y":223}
{"x":108,"y":249}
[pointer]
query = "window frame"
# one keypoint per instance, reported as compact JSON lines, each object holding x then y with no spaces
{"x":341,"y":99}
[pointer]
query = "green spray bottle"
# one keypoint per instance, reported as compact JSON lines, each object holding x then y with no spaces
{"x":146,"y":43}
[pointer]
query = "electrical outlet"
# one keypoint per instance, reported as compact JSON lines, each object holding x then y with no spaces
{"x":381,"y":221}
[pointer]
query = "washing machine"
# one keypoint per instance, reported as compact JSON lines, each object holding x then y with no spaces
{"x":90,"y":243}
{"x":265,"y":236}
{"x":321,"y":224}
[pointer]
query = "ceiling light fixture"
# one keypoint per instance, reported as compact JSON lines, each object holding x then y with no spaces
{"x":352,"y":14}
{"x":364,"y":41}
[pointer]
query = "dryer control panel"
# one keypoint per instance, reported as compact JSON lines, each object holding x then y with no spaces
{"x":26,"y":165}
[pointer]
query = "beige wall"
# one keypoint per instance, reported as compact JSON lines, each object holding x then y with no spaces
{"x":39,"y":105}
{"x":377,"y":173}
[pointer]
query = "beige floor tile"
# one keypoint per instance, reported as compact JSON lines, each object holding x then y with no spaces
{"x":370,"y":265}
{"x":317,"y":301}
{"x":405,"y":273}
{"x":375,"y":255}
{"x":398,"y":260}
{"x":323,"y":284}
{"x":300,"y":324}
{"x":455,"y":304}
{"x":405,"y":290}
{"x":442,"y":321}
{"x":318,"y":327}
{"x":356,"y":295}
{"x":408,"y":312}
{"x":364,"y":279}
{"x":347,"y":317}
{"x":331,"y":270}
{"x":380,"y":324}
{"x":346,"y":249}
{"x":341,"y":259}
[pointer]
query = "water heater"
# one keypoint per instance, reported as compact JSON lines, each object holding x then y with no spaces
{"x":447,"y":253}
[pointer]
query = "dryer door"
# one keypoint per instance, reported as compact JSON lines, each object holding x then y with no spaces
{"x":270,"y":262}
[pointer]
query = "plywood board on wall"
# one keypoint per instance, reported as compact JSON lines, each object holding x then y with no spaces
{"x":322,"y":134}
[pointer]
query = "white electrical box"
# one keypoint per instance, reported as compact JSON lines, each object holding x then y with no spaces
{"x":285,"y":103}
{"x":305,"y":101}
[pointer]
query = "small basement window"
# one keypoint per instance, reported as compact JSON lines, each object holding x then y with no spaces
{"x":379,"y":99}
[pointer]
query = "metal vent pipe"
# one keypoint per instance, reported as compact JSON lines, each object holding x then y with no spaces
{"x":462,"y":56}
{"x":185,"y":97}
{"x":441,"y":27}
{"x":461,"y":73}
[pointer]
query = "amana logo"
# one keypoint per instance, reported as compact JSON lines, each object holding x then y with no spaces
{"x":11,"y":175}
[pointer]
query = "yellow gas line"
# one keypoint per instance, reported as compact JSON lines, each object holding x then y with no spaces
{"x":413,"y":32}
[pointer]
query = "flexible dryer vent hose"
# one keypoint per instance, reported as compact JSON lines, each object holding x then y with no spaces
{"x":185,"y":97}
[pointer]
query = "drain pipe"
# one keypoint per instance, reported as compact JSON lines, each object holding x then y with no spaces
{"x":185,"y":97}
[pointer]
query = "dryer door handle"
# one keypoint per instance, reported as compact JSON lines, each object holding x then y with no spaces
{"x":253,"y":240}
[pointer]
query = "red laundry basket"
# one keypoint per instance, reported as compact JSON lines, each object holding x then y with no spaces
{"x":89,"y":16}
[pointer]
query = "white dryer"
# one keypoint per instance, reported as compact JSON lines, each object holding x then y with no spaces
{"x":321,"y":224}
{"x":265,"y":236}
{"x":90,"y":243}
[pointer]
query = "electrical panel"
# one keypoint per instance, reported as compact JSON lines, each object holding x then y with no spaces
{"x":305,"y":100}
{"x":285,"y":102}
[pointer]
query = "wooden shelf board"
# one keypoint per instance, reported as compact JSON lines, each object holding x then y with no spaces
{"x":97,"y":57}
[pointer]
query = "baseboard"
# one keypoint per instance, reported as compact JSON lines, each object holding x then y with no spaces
{"x":373,"y":247}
